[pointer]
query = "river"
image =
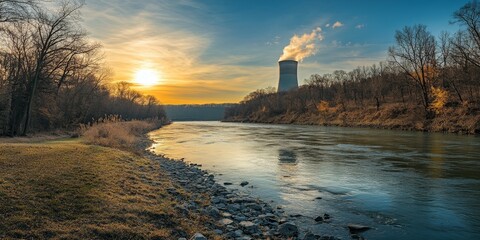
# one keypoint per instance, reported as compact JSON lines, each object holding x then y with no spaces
{"x":406,"y":185}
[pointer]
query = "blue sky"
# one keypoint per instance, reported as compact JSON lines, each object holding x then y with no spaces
{"x":219,"y":50}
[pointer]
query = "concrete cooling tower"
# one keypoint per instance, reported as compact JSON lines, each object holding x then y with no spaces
{"x":288,"y":75}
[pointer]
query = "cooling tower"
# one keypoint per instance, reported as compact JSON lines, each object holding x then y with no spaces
{"x":288,"y":75}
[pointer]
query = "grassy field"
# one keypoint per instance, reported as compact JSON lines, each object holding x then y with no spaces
{"x":67,"y":189}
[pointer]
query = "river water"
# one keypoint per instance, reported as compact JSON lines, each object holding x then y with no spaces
{"x":406,"y":185}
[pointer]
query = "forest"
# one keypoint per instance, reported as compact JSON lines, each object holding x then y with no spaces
{"x":429,"y":83}
{"x":53,"y":75}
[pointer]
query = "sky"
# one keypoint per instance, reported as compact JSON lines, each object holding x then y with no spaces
{"x":217,"y":51}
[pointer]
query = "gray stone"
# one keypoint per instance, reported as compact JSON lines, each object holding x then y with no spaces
{"x":254,"y":206}
{"x":244,"y":183}
{"x":240,"y":218}
{"x":249,"y":227}
{"x":310,"y":236}
{"x":246,"y":224}
{"x":288,"y":229}
{"x":356,"y":228}
{"x":218,"y":231}
{"x":213,"y":211}
{"x":198,"y":236}
{"x":226,"y":214}
{"x":282,"y":220}
{"x":225,"y":222}
{"x":244,"y":238}
{"x":233,"y":207}
{"x":238,"y":233}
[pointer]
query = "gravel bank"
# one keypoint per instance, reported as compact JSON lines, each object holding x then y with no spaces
{"x":237,"y":215}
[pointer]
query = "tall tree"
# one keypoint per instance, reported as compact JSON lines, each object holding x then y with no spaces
{"x":16,"y":10}
{"x":414,"y":52}
{"x":55,"y":34}
{"x":468,"y":42}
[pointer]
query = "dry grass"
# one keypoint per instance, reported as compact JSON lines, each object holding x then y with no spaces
{"x":70,"y":190}
{"x":118,"y":134}
{"x":460,"y":119}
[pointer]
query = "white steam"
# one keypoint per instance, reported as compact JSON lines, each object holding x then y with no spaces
{"x":303,"y":46}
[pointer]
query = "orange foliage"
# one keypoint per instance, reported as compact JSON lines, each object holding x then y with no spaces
{"x":440,"y":98}
{"x":323,"y":106}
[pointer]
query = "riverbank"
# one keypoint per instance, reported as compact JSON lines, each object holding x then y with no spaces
{"x":68,"y":189}
{"x":72,"y":188}
{"x":460,"y":119}
{"x":237,"y":215}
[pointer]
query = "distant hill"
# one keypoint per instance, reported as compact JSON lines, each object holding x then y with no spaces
{"x":193,"y":112}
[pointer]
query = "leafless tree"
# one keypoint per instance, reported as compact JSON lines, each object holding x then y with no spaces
{"x":415,"y":54}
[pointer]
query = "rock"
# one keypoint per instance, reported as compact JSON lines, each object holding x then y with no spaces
{"x":244,"y":183}
{"x":198,"y":236}
{"x":326,"y":216}
{"x":226,"y":214}
{"x":221,"y":206}
{"x":329,"y":238}
{"x":238,"y":233}
{"x":182,"y":239}
{"x":288,"y":229}
{"x":355,"y":236}
{"x":218,"y":231}
{"x":244,"y":238}
{"x":240,"y":218}
{"x":225,"y":222}
{"x":232,"y":208}
{"x":227,"y":183}
{"x":254,"y":206}
{"x":318,"y":198}
{"x":356,"y":228}
{"x":295,"y":215}
{"x":249,"y":227}
{"x":310,"y":236}
{"x":319,"y":219}
{"x":213,"y":212}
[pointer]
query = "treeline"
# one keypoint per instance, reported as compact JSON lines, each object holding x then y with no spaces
{"x":424,"y":76}
{"x":52,"y":75}
{"x":196,"y":112}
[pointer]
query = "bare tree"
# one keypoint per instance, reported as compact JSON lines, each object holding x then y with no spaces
{"x":54,"y":34}
{"x":16,"y":10}
{"x":468,"y":42}
{"x":415,"y":54}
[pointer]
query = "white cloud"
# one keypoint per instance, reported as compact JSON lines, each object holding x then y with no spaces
{"x":360,"y":26}
{"x":337,"y":24}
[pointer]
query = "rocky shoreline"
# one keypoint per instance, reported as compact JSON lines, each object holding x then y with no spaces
{"x":237,"y":215}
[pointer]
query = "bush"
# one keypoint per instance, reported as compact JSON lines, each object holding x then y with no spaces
{"x":113,"y":132}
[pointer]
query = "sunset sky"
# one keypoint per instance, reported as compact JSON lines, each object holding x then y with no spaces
{"x":217,"y":51}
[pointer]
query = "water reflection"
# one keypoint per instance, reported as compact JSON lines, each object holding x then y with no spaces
{"x":437,"y":153}
{"x":408,"y":185}
{"x":286,"y":156}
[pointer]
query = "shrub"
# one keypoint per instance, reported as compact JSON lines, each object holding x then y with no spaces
{"x":113,"y":132}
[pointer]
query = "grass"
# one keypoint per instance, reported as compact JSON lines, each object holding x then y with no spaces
{"x":461,"y":119}
{"x":124,"y":135}
{"x":71,"y":190}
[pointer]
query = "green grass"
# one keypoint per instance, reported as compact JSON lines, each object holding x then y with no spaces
{"x":71,"y":190}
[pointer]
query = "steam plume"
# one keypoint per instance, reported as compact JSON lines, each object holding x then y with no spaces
{"x":303,"y":46}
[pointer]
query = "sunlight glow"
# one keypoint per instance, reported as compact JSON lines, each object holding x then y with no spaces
{"x":147,"y":77}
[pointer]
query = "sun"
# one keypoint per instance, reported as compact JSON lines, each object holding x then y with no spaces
{"x":147,"y":77}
